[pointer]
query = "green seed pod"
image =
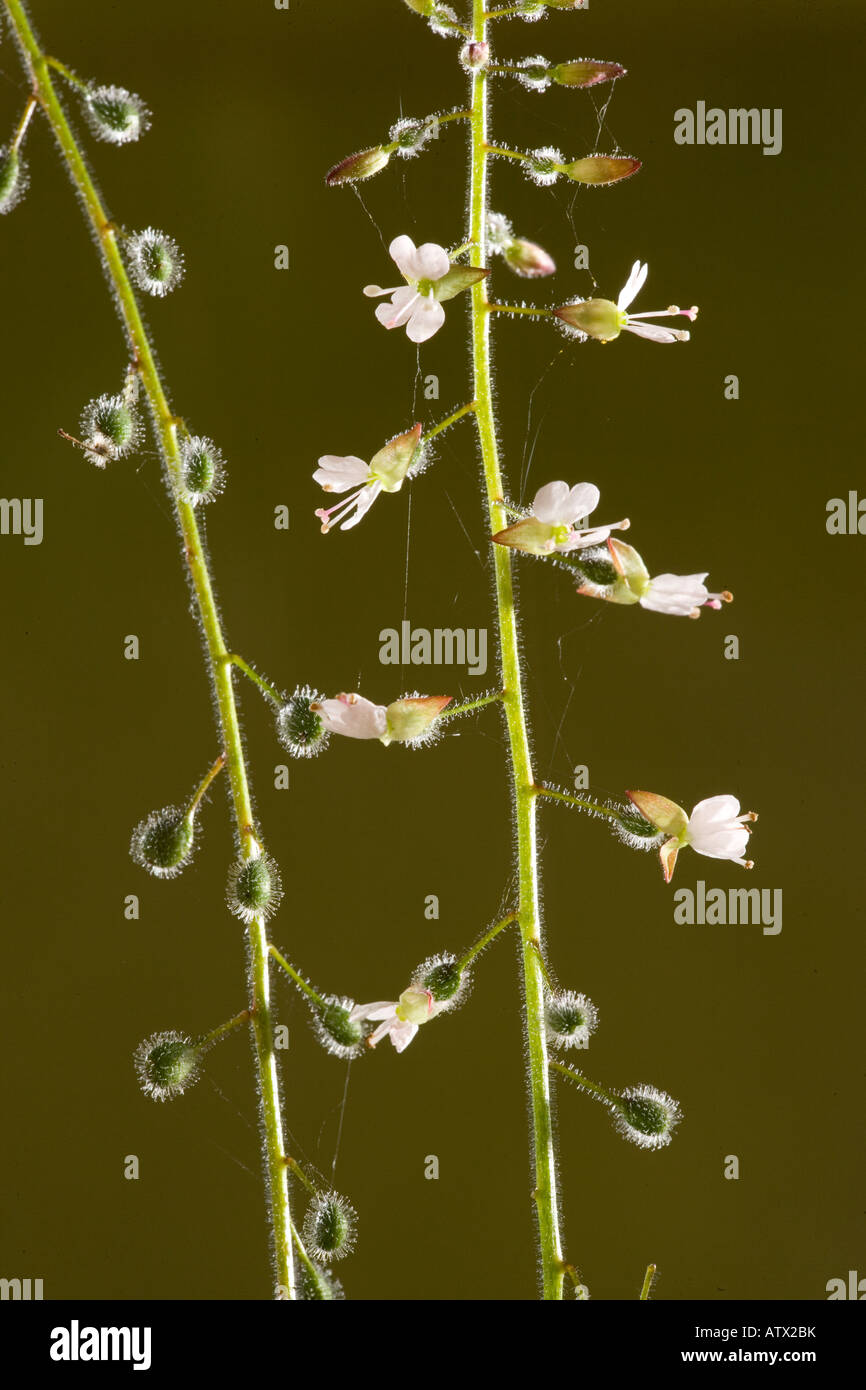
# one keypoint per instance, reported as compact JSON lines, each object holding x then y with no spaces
{"x":330,"y":1226}
{"x":646,"y":1116}
{"x":167,"y":1065}
{"x":441,"y":976}
{"x":156,"y":262}
{"x":299,"y":728}
{"x":202,"y":470}
{"x":441,"y":979}
{"x":13,"y":179}
{"x":110,"y":429}
{"x":163,"y":842}
{"x":338,"y":1033}
{"x":115,"y":115}
{"x":255,"y":889}
{"x":571,"y":1018}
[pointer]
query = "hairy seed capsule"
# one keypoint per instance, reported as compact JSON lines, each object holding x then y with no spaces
{"x":254,"y":889}
{"x":156,"y":262}
{"x":163,"y":842}
{"x":338,"y":1033}
{"x":571,"y":1018}
{"x":440,"y":977}
{"x":167,"y":1065}
{"x":116,"y":115}
{"x":202,"y":470}
{"x":13,"y":179}
{"x":330,"y":1226}
{"x":646,"y":1116}
{"x":109,"y":428}
{"x":299,"y":728}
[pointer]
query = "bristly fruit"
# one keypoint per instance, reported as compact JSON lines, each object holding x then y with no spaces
{"x":167,"y":1065}
{"x":255,"y":889}
{"x":116,"y":115}
{"x":299,"y":728}
{"x":163,"y":842}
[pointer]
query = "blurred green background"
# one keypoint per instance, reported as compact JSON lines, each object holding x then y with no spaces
{"x":759,"y":1037}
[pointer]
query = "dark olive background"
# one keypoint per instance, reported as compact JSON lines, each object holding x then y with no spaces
{"x":759,"y":1037}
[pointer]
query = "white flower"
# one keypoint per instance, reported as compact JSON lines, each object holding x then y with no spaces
{"x":401,"y":1020}
{"x":338,"y":474}
{"x":716,"y":828}
{"x":352,"y":716}
{"x":551,"y":526}
{"x":414,"y":305}
{"x":684,"y":595}
{"x":400,"y":458}
{"x":633,"y":323}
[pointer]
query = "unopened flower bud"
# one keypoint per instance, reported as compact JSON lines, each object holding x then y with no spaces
{"x":167,"y":1065}
{"x":412,"y":719}
{"x":156,"y":262}
{"x":115,"y":114}
{"x":337,"y":1031}
{"x":202,"y":470}
{"x":599,"y":170}
{"x":330,"y":1226}
{"x":571,"y":1018}
{"x":13,"y":179}
{"x":255,"y":889}
{"x":163,"y":842}
{"x":646,"y":1116}
{"x":300,"y":728}
{"x":584,"y":73}
{"x":474,"y":55}
{"x":528,"y":259}
{"x":358,"y":166}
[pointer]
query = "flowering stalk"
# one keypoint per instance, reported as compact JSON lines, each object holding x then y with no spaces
{"x":219,"y":659}
{"x":523,"y":789}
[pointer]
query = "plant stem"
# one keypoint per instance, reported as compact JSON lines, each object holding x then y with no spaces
{"x":271,"y":691}
{"x":444,"y":424}
{"x":297,"y":978}
{"x":210,"y":1039}
{"x":166,"y":427}
{"x":485,"y":940}
{"x":471,"y":705}
{"x":606,"y":812}
{"x":647,"y":1283}
{"x":543,"y":1156}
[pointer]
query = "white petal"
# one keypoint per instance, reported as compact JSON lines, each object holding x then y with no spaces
{"x":399,"y":309}
{"x":363,"y":1012}
{"x":675,"y":593}
{"x":581,"y":539}
{"x":402,"y":252}
{"x":364,"y":502}
{"x":426,"y":320}
{"x":338,"y":474}
{"x":550,"y":504}
{"x":353,"y":717}
{"x":582,"y":499}
{"x":633,"y":285}
{"x":431,"y":262}
{"x":402,"y":1034}
{"x":714,"y":810}
{"x":651,"y":331}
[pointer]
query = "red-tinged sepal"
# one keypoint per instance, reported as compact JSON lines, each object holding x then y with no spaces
{"x":458,"y":279}
{"x":529,"y":534}
{"x":413,"y":718}
{"x":664,"y":814}
{"x":668,"y":856}
{"x":394,"y":461}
